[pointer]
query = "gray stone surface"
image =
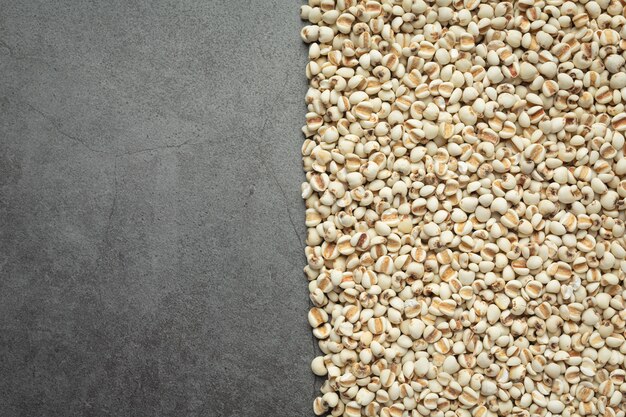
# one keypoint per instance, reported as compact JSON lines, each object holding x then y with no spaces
{"x":151,"y":229}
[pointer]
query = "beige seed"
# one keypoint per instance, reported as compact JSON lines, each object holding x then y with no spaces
{"x":318,"y":366}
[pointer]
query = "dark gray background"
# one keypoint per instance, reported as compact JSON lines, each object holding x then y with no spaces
{"x":151,"y":235}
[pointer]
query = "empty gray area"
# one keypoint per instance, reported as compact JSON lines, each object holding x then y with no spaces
{"x":151,"y":228}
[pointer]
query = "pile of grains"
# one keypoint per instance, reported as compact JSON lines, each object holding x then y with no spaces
{"x":465,"y":199}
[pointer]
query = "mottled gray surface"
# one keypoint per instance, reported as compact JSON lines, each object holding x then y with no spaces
{"x":151,"y":227}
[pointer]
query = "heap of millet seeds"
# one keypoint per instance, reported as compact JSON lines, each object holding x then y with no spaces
{"x":465,"y":200}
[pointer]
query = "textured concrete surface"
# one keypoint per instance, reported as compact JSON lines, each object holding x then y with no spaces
{"x":151,"y":229}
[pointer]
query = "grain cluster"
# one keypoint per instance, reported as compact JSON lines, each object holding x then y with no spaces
{"x":465,"y":203}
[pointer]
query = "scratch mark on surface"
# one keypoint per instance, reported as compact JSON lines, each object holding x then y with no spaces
{"x":272,"y":174}
{"x":269,"y":169}
{"x":159,"y":148}
{"x":17,"y":57}
{"x":107,"y":229}
{"x":58,"y":128}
